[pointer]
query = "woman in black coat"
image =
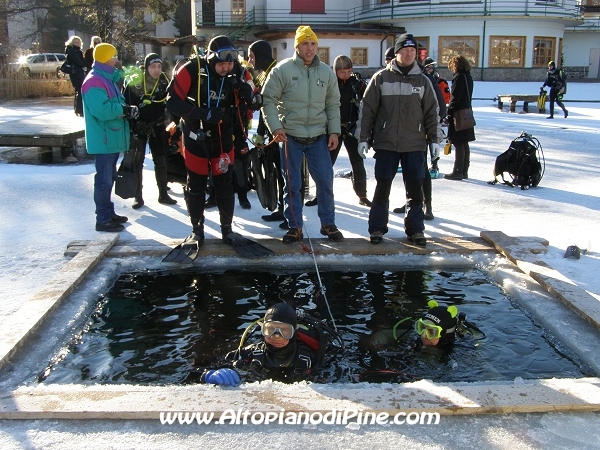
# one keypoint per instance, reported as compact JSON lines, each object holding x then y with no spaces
{"x":75,"y":57}
{"x":460,"y":98}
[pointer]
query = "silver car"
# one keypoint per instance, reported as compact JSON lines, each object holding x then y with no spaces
{"x":39,"y":63}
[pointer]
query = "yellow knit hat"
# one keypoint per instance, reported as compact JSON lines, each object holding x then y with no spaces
{"x":104,"y":52}
{"x":304,"y":33}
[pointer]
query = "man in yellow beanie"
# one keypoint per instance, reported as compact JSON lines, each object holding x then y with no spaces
{"x":106,"y":130}
{"x":103,"y":53}
{"x":305,"y":33}
{"x":304,"y":91}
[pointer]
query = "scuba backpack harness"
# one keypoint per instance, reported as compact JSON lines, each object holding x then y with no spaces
{"x":524,"y":162}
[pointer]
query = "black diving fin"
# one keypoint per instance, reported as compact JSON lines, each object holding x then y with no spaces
{"x":247,"y":247}
{"x":186,"y":252}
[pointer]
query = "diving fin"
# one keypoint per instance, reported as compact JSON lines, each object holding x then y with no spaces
{"x":247,"y":247}
{"x":186,"y":252}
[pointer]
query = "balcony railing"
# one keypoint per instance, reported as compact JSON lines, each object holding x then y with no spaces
{"x":398,"y":9}
{"x":588,"y":25}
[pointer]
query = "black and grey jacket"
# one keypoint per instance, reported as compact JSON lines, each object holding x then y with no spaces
{"x":399,"y":112}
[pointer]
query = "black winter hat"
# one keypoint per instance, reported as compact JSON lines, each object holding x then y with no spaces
{"x":151,"y":58}
{"x":263,"y":54}
{"x":390,"y":54}
{"x":281,"y":312}
{"x":429,"y":62}
{"x":219,"y":42}
{"x":405,"y":40}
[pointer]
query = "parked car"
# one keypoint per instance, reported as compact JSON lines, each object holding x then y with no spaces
{"x":39,"y":63}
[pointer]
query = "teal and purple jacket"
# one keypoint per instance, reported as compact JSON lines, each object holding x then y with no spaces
{"x":106,"y":129}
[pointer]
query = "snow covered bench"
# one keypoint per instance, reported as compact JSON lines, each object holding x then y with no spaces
{"x":57,"y":131}
{"x":514,"y":98}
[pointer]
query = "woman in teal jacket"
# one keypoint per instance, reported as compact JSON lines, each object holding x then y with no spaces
{"x":106,"y":131}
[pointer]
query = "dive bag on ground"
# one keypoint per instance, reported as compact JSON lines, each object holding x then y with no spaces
{"x":523,"y":161}
{"x":126,"y":182}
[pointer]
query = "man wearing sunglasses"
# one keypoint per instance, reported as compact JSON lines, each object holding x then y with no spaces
{"x":281,"y":354}
{"x":209,"y":100}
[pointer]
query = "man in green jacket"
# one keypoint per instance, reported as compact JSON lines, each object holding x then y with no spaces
{"x":106,"y":130}
{"x":301,"y":107}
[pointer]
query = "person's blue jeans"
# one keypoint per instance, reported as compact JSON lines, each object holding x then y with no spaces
{"x":321,"y":171}
{"x":106,"y":174}
{"x":413,"y":170}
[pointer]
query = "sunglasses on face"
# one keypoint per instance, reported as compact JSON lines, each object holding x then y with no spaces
{"x":285,"y":330}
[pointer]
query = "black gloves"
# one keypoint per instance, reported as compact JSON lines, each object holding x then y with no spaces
{"x":245,"y":93}
{"x":248,"y":97}
{"x":130,"y":111}
{"x":257,"y":102}
{"x":210,"y":115}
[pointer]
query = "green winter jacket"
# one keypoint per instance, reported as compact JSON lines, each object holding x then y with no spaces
{"x":106,"y":129}
{"x":304,"y":101}
{"x":399,"y":112}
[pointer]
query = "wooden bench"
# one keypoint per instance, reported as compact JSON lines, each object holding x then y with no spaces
{"x":514,"y":98}
{"x":58,"y":131}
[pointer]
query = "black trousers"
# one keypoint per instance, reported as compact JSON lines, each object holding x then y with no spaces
{"x":554,"y":98}
{"x":413,"y":172}
{"x":157,"y":140}
{"x":224,"y":195}
{"x":359,"y":174}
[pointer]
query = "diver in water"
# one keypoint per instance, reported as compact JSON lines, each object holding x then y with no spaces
{"x":288,"y":351}
{"x":439,"y":326}
{"x":430,"y":345}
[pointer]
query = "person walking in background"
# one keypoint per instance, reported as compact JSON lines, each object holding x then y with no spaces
{"x":106,"y":130}
{"x":352,"y":87}
{"x":88,"y":55}
{"x":461,"y":94}
{"x":149,"y":96}
{"x":75,"y":57}
{"x":304,"y":91}
{"x":400,"y":111}
{"x":555,"y":81}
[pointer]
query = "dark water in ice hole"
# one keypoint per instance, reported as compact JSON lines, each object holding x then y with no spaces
{"x":155,"y":327}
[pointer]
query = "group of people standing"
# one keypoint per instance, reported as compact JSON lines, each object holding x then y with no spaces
{"x":307,"y":111}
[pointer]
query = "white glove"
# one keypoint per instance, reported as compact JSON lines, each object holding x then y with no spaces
{"x":363,"y":149}
{"x":435,"y":151}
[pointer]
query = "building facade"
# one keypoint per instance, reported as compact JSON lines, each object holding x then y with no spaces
{"x":503,"y":39}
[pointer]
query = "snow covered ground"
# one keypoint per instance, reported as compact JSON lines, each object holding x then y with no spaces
{"x":44,"y":207}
